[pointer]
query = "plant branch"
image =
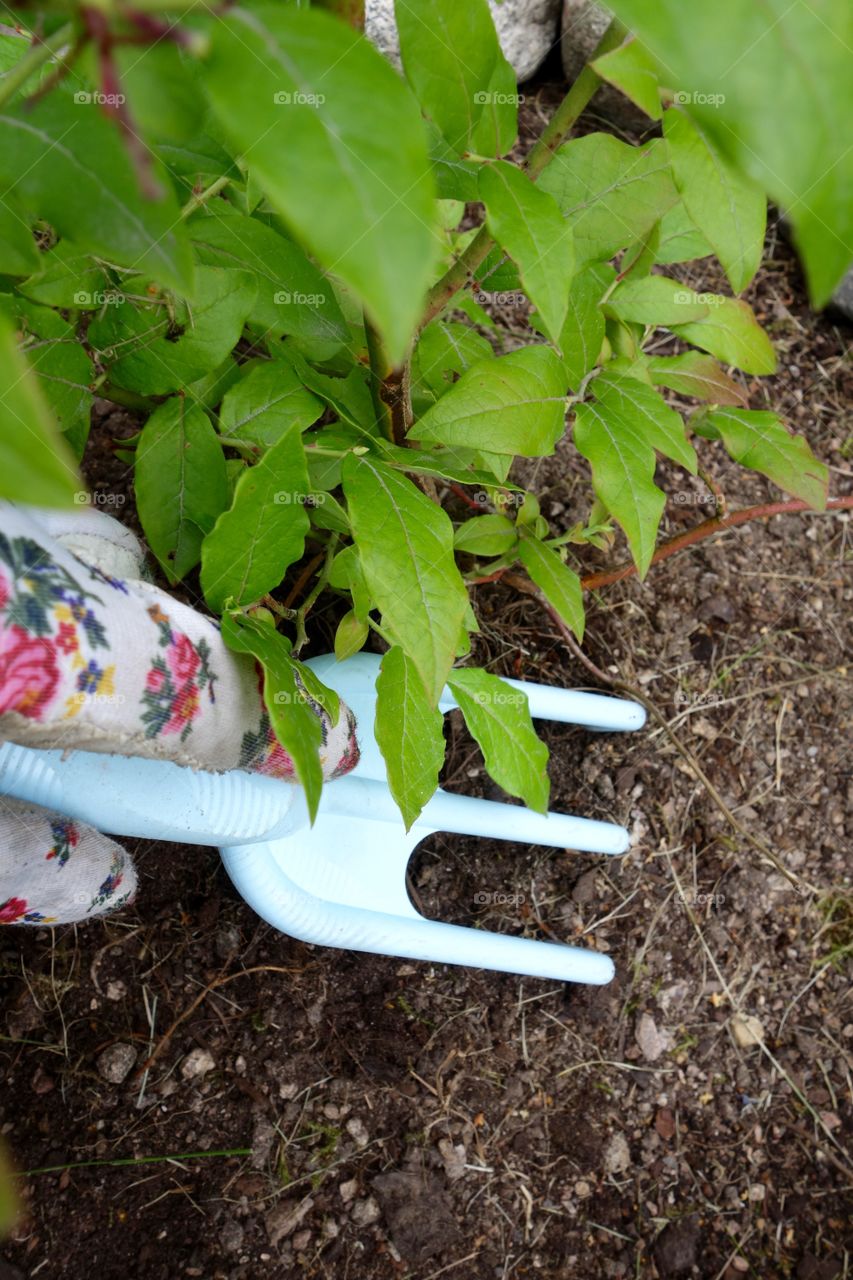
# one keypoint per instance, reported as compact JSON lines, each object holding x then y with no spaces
{"x":39,"y":52}
{"x":555,"y":134}
{"x":197,"y":199}
{"x":380,"y":369}
{"x":575,"y":102}
{"x":716,"y":524}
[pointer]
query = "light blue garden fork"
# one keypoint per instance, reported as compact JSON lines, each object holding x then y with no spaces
{"x":342,"y":881}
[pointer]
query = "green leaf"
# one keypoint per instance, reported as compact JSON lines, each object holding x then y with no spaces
{"x":728,"y":207}
{"x":180,"y":483}
{"x":405,"y":545}
{"x":610,"y":193}
{"x":693,"y":374}
{"x":64,"y":369}
{"x":68,"y":164}
{"x":409,"y":733}
{"x":266,"y":404}
{"x":455,"y":179}
{"x":349,"y":396}
{"x":293,"y":720}
{"x":497,"y":128}
{"x":583,"y":331}
{"x":208,"y":390}
{"x":618,"y":434}
{"x":513,"y":404}
{"x":150,"y":361}
{"x":632,"y":70}
{"x":559,"y":584}
{"x":18,"y":253}
{"x":449,"y":53}
{"x":730,"y":332}
{"x":757,"y":438}
{"x":770,"y":83}
{"x":162,"y":90}
{"x":487,"y":535}
{"x":498,"y":717}
{"x":263,"y":531}
{"x":36,"y":465}
{"x":66,"y":374}
{"x":444,"y":350}
{"x":528,"y":224}
{"x":350,"y":636}
{"x":655,"y":300}
{"x":679,"y":240}
{"x":326,"y":106}
{"x":293,"y":296}
{"x":67,"y":276}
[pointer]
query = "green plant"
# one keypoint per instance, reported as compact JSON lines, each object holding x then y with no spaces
{"x":248,"y":228}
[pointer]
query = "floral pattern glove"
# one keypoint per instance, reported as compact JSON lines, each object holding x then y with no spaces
{"x":100,"y":662}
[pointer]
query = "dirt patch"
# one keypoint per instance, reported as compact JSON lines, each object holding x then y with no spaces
{"x":396,"y":1119}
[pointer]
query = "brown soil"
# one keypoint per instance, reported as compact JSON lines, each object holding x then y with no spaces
{"x":399,"y":1119}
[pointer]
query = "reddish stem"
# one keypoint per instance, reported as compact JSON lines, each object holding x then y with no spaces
{"x":707,"y":529}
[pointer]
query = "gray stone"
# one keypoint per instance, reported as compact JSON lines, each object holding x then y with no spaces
{"x":527,"y":30}
{"x":116,"y":1063}
{"x":584,"y":23}
{"x":842,"y":299}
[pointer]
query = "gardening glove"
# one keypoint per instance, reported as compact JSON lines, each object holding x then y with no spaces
{"x":94,"y":657}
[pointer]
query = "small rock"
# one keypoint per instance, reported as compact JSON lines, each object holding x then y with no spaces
{"x":116,"y":990}
{"x":283,"y":1220}
{"x":365,"y":1212}
{"x":584,"y":890}
{"x":747,"y":1030}
{"x":842,"y":299}
{"x":418,"y":1216}
{"x":301,"y":1240}
{"x":617,"y":1155}
{"x":665,"y":1124}
{"x":262,"y":1140}
{"x":356,"y":1130}
{"x":231,"y":1235}
{"x":757,"y":1192}
{"x":676,"y":1247}
{"x":42,"y":1082}
{"x":453,"y":1158}
{"x":116,"y":1063}
{"x":649,"y":1039}
{"x":348,"y":1190}
{"x":197,"y":1063}
{"x":582,"y":1189}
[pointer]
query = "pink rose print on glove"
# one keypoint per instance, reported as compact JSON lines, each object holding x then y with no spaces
{"x":11,"y":910}
{"x":29,"y":674}
{"x":183,"y":658}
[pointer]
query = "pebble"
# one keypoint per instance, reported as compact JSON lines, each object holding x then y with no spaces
{"x":197,"y":1063}
{"x":617,"y":1154}
{"x":116,"y":1063}
{"x":747,"y":1030}
{"x":283,"y":1220}
{"x":365,"y":1212}
{"x":357,"y":1131}
{"x":648,"y":1037}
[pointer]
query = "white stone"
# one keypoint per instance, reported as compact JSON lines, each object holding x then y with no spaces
{"x":617,"y":1154}
{"x":197,"y":1063}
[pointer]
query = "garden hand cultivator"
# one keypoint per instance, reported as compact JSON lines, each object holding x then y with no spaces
{"x":342,"y":881}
